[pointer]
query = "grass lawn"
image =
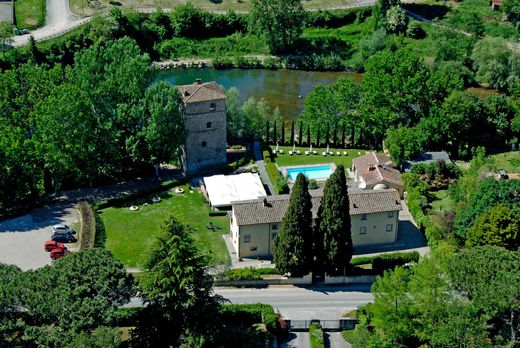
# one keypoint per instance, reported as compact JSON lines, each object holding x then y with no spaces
{"x":29,"y":14}
{"x":443,"y":202}
{"x":131,"y":233}
{"x":509,"y":161}
{"x":285,"y":159}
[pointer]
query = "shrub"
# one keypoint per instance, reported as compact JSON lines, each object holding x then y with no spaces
{"x":364,"y":260}
{"x":126,"y":316}
{"x":313,"y":184}
{"x":248,"y":273}
{"x":385,"y":262}
{"x":281,"y":185}
{"x":218,"y":213}
{"x":415,"y":31}
{"x":87,"y":232}
{"x":316,"y":336}
{"x":249,"y":314}
{"x":336,"y":18}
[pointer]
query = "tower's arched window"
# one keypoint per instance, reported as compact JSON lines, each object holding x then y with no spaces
{"x":212,"y":106}
{"x":204,"y":144}
{"x":208,"y":125}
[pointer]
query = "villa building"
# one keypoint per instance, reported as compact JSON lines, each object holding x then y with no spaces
{"x":376,"y":171}
{"x":204,"y":107}
{"x":255,"y":223}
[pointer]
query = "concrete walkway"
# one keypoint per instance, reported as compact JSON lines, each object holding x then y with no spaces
{"x":259,"y":161}
{"x":335,"y":340}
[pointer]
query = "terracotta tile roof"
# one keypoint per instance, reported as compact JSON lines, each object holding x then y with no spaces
{"x":255,"y":211}
{"x":376,"y":167}
{"x":199,"y":92}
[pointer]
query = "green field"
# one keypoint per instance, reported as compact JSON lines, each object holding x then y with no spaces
{"x":509,"y":161}
{"x":285,"y":159}
{"x":29,"y":14}
{"x":131,"y":233}
{"x":442,"y":202}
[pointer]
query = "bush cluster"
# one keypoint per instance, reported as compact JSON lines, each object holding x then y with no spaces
{"x":249,"y":314}
{"x":439,"y":174}
{"x":87,"y":233}
{"x":387,"y":262}
{"x":337,"y":18}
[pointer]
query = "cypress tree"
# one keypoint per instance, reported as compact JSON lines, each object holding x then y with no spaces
{"x":292,"y":249}
{"x":292,"y":133}
{"x":318,"y":136}
{"x":335,"y":135}
{"x":332,"y":239}
{"x":300,"y":139}
{"x":343,"y":134}
{"x":309,"y":135}
{"x":327,"y":135}
{"x":267,"y":131}
{"x":274,"y":133}
{"x":283,"y":133}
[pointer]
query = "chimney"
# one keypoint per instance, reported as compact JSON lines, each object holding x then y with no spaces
{"x":265,"y":202}
{"x":198,"y":81}
{"x":186,"y":93}
{"x":354,"y":205}
{"x":371,"y":168}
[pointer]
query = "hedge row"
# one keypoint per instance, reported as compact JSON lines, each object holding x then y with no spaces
{"x":417,"y":202}
{"x":316,"y":336}
{"x":386,"y":262}
{"x":248,"y":314}
{"x":247,"y":273}
{"x":336,"y":18}
{"x":87,"y":232}
{"x":119,"y":201}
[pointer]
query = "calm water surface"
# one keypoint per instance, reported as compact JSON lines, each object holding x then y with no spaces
{"x":283,"y":88}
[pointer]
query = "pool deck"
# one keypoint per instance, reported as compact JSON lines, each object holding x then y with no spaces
{"x":285,"y":173}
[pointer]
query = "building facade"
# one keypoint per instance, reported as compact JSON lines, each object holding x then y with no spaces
{"x":204,"y":108}
{"x":255,"y":223}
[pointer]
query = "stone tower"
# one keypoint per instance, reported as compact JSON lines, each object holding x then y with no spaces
{"x":204,"y":107}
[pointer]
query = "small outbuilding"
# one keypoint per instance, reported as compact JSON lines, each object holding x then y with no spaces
{"x":427,"y":157}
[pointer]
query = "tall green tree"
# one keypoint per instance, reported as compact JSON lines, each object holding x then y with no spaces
{"x":498,"y":226}
{"x":78,"y":293}
{"x":332,"y":237}
{"x":281,"y":21}
{"x":177,"y":290}
{"x":292,"y":247}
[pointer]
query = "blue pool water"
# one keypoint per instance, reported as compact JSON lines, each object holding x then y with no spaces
{"x":316,"y":172}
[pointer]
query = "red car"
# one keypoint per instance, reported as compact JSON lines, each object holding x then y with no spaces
{"x":51,"y":244}
{"x":58,"y":253}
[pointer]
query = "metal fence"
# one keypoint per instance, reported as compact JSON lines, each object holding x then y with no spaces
{"x":326,"y":325}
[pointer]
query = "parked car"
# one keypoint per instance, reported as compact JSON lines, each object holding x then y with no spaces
{"x":63,"y":238}
{"x":60,"y":228}
{"x":52,"y":244}
{"x":58,"y":253}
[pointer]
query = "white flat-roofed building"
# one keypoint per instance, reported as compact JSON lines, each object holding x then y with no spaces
{"x":221,"y":190}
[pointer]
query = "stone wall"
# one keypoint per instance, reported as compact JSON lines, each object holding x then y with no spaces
{"x":206,"y":140}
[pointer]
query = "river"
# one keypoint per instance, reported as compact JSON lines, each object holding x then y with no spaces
{"x":283,"y":88}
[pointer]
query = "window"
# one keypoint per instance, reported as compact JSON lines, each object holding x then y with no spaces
{"x":208,"y":125}
{"x":275,"y":226}
{"x":389,"y":228}
{"x":204,"y":144}
{"x":362,"y":230}
{"x":363,"y":216}
{"x":247,"y":238}
{"x":253,"y":248}
{"x":390,"y":214}
{"x":212,"y":106}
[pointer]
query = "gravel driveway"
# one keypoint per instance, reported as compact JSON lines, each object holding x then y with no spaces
{"x":22,"y":239}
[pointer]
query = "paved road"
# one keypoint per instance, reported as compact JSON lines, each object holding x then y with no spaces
{"x":59,"y":20}
{"x":303,"y":303}
{"x":297,"y":340}
{"x":22,"y":239}
{"x":335,"y":340}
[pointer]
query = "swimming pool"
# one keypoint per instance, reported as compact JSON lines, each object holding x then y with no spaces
{"x":311,"y":172}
